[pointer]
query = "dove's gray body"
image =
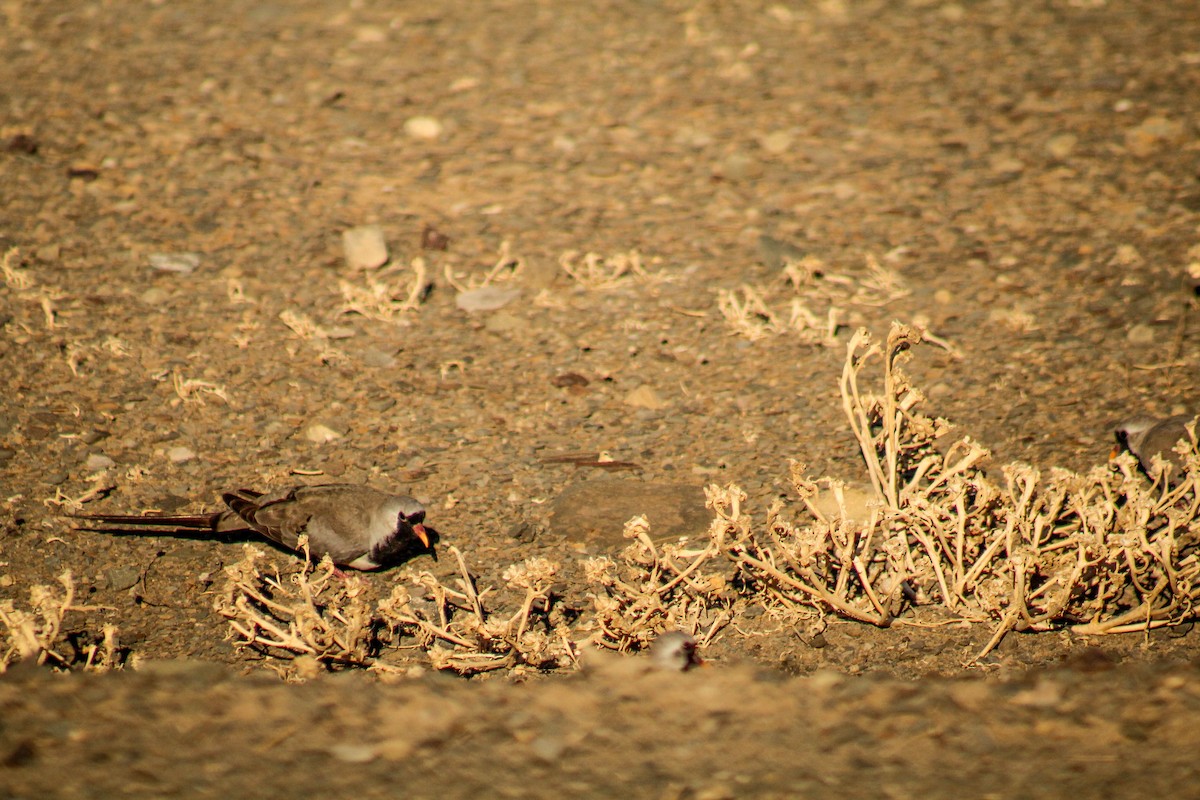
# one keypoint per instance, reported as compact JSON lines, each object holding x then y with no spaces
{"x":356,"y":526}
{"x":1147,"y":437}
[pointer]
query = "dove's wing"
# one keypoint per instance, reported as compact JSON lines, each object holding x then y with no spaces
{"x":332,"y":516}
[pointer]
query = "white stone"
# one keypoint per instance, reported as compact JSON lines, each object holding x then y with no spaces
{"x":423,"y":128}
{"x":181,"y":263}
{"x":320,"y":434}
{"x":364,"y":247}
{"x":646,"y":397}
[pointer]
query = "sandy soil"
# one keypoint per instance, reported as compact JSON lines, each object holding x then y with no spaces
{"x":1022,"y":173}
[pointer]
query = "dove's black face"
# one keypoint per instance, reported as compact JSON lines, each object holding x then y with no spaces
{"x":1129,"y":435}
{"x":409,"y":524}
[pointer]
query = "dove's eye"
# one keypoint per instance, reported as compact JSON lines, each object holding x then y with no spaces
{"x":415,"y":519}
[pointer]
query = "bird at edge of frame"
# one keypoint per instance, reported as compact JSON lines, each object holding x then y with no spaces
{"x":1147,"y":437}
{"x":356,"y":526}
{"x":675,"y":651}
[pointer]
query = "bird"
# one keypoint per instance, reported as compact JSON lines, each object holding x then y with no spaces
{"x":356,"y":526}
{"x":1146,"y":437}
{"x":675,"y":651}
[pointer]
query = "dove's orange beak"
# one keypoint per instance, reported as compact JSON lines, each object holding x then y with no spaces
{"x":419,"y":530}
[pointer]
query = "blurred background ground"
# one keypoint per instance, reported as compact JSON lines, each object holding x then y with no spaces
{"x":1023,"y":174}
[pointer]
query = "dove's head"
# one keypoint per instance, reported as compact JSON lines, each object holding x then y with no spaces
{"x":410,"y":519}
{"x":1131,"y":434}
{"x":675,"y":651}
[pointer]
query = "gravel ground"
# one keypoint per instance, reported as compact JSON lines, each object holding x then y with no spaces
{"x":178,"y":317}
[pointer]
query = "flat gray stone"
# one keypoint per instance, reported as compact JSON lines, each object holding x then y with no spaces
{"x":118,"y":579}
{"x":98,"y":461}
{"x":486,"y":298}
{"x":594,"y":512}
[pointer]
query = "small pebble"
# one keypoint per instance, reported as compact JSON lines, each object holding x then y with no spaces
{"x":1045,"y":693}
{"x":374,"y":357}
{"x":180,"y":455}
{"x":776,"y":143}
{"x":423,"y":128}
{"x":738,"y":166}
{"x":154,"y":296}
{"x":1006,"y":165}
{"x":1140,"y":334}
{"x":370,"y":34}
{"x":1062,"y":145}
{"x":823,"y":680}
{"x":547,"y":747}
{"x":181,"y":263}
{"x":1152,"y":135}
{"x":354,"y":753}
{"x":567,"y":380}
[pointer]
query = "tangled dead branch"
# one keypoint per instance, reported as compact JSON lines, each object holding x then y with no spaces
{"x":36,"y":634}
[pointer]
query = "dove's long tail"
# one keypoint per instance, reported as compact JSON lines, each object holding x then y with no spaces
{"x":199,"y":522}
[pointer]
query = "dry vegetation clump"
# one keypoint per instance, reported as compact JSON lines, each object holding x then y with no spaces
{"x":319,"y":617}
{"x":506,"y":268}
{"x":942,"y":542}
{"x":384,"y":300}
{"x":677,"y":586}
{"x":813,"y":304}
{"x":458,"y":633}
{"x":36,"y":634}
{"x":1102,"y":552}
{"x":596,"y":272}
{"x":314,"y":612}
{"x":23,"y":285}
